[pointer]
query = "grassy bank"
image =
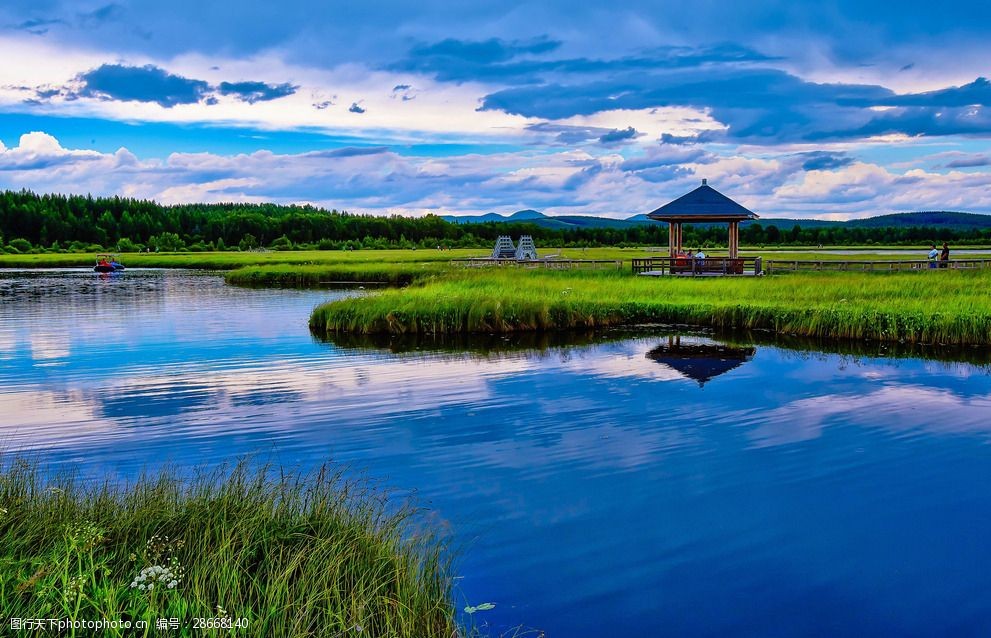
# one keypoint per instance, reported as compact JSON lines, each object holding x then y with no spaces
{"x":363,"y":258}
{"x":395,"y":273}
{"x":918,"y":307}
{"x":291,"y":555}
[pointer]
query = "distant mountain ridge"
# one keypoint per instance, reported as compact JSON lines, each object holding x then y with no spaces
{"x":945,"y":219}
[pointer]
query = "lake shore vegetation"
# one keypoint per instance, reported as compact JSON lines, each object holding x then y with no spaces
{"x":945,"y":307}
{"x":260,"y":551}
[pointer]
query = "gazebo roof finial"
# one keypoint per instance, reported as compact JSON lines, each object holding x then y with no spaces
{"x":703,"y":181}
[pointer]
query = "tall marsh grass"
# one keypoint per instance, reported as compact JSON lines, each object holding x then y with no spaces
{"x":918,"y":307}
{"x":290,"y":554}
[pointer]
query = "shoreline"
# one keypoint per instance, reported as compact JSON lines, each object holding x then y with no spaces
{"x":925,"y":308}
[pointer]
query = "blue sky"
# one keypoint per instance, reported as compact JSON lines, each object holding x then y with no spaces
{"x":829,"y":109}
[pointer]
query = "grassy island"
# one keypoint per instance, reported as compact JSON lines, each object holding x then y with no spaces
{"x":941,"y":307}
{"x":264,"y":552}
{"x":949,"y":307}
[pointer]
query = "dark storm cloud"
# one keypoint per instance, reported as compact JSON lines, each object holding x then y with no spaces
{"x":824,"y":161}
{"x":762,"y":105}
{"x":142,"y":84}
{"x":154,"y":84}
{"x":351,"y":151}
{"x":972,"y":161}
{"x":977,"y":92}
{"x":252,"y":92}
{"x":617,"y":136}
{"x":460,"y":61}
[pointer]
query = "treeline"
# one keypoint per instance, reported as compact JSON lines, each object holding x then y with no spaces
{"x":30,"y":223}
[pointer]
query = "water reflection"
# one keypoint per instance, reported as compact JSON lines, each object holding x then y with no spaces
{"x":596,"y":486}
{"x":700,"y":359}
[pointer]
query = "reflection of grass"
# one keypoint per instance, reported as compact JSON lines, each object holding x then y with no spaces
{"x":928,"y":307}
{"x":495,"y":345}
{"x":295,"y":556}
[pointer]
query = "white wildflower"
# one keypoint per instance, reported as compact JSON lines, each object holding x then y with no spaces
{"x":167,"y":577}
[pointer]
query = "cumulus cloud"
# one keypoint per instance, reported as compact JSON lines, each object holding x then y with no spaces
{"x":355,"y":108}
{"x":379,"y":180}
{"x":36,"y":151}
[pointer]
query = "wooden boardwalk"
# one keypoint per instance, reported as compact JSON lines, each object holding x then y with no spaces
{"x":692,"y":267}
{"x":888,"y":265}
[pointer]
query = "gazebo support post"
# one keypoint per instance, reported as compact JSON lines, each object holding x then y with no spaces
{"x":675,"y":236}
{"x":734,"y":240}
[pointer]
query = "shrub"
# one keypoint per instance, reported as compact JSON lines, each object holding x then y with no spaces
{"x":21,"y":245}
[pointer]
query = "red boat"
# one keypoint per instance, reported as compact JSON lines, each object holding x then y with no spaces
{"x":107,"y":263}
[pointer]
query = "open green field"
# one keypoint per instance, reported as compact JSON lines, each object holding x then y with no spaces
{"x":389,"y":266}
{"x":233,"y":259}
{"x":951,"y":307}
{"x":269,"y":552}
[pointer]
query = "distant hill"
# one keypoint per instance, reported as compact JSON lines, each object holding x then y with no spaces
{"x":944,"y":219}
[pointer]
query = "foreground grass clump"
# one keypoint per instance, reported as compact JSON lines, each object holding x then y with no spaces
{"x":919,"y":307}
{"x":269,"y":554}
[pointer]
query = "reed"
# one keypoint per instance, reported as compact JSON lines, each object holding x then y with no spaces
{"x":951,"y":307}
{"x":393,"y":273}
{"x":269,"y":552}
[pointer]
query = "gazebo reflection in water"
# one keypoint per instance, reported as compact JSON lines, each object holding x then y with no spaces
{"x":700,"y":359}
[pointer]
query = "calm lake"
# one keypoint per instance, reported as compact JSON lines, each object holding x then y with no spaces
{"x":616,"y":484}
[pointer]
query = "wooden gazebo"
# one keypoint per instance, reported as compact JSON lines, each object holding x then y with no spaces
{"x":703,"y":205}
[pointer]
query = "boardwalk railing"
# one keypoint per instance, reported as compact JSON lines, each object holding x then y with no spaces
{"x":553,"y":264}
{"x":780,"y":265}
{"x":692,"y":266}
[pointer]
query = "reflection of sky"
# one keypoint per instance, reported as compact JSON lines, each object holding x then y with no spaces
{"x":595,"y":491}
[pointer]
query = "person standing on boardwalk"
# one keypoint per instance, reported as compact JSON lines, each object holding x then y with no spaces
{"x":944,"y":257}
{"x":933,"y":254}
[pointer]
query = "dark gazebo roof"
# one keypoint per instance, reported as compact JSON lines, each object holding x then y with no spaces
{"x":702,"y":204}
{"x":701,"y":361}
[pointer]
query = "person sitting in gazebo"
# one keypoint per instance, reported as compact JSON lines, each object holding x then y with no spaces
{"x":699,"y":260}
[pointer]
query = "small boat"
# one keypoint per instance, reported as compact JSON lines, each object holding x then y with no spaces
{"x":107,"y":263}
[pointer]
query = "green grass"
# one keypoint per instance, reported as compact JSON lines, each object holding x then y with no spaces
{"x":233,"y":260}
{"x":951,"y":307}
{"x":395,"y":273}
{"x":294,"y":555}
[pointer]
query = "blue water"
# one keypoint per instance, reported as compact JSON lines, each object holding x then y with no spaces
{"x":593,"y":490}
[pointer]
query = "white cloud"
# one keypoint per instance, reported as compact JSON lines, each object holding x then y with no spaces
{"x":563,"y":182}
{"x":863,"y":187}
